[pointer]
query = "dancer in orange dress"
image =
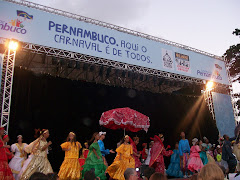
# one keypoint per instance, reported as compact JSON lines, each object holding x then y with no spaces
{"x":123,"y":160}
{"x":70,"y":168}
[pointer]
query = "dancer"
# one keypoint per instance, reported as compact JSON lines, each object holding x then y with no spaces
{"x":195,"y":163}
{"x":157,"y":153}
{"x":236,"y":150}
{"x":94,"y":159}
{"x":37,"y":161}
{"x":136,"y":155}
{"x":123,"y":160}
{"x":174,"y":169}
{"x":102,"y":147}
{"x":184,"y":150}
{"x":5,"y":171}
{"x":144,"y":152}
{"x":203,"y":154}
{"x":149,"y":153}
{"x":227,"y":154}
{"x":5,"y":141}
{"x":70,"y":168}
{"x":20,"y":156}
{"x":84,"y":155}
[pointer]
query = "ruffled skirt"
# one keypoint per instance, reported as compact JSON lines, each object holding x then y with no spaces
{"x":117,"y":168}
{"x":35,"y":164}
{"x":70,"y":169}
{"x":5,"y":171}
{"x":195,"y":164}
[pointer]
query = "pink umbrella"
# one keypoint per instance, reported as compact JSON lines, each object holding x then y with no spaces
{"x":125,"y":118}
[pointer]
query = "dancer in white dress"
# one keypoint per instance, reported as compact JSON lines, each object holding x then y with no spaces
{"x":19,"y":157}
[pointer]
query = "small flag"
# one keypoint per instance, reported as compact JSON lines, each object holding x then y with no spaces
{"x":24,"y":14}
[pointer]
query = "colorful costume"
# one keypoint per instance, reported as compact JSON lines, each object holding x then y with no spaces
{"x":174,"y":169}
{"x":17,"y":161}
{"x":122,"y":161}
{"x":5,"y":171}
{"x":37,"y":161}
{"x":148,"y":157}
{"x":203,"y":154}
{"x":157,"y":153}
{"x":70,"y":168}
{"x":195,"y":162}
{"x":137,"y":160}
{"x":92,"y":162}
{"x":83,"y":157}
{"x":184,"y":150}
{"x":103,"y":151}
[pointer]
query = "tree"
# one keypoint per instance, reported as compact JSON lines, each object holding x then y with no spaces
{"x":232,"y":57}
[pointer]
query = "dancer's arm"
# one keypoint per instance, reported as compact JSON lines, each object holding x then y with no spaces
{"x":46,"y":146}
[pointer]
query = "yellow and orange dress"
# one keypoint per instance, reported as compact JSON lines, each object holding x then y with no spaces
{"x":122,"y":161}
{"x":70,"y":168}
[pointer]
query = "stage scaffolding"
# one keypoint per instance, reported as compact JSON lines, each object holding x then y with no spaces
{"x":149,"y":75}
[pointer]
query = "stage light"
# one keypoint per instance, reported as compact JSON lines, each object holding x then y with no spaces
{"x":13,"y":45}
{"x":209,"y":86}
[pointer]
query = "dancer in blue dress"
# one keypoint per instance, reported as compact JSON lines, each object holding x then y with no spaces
{"x":102,"y":147}
{"x":174,"y":169}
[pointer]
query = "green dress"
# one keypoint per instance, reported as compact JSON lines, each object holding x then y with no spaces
{"x":92,"y":162}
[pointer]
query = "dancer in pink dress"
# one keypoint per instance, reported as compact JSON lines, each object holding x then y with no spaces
{"x":195,"y":163}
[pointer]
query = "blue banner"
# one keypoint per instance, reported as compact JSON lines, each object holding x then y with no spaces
{"x":224,"y":114}
{"x":38,"y":27}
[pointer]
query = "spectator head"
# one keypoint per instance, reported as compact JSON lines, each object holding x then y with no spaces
{"x":38,"y":176}
{"x":130,"y":174}
{"x":148,"y":172}
{"x":52,"y":176}
{"x":158,"y":176}
{"x":211,"y":171}
{"x":90,"y":175}
{"x":194,"y":177}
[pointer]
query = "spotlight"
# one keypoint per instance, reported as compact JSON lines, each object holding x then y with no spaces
{"x":13,"y":45}
{"x":209,"y":86}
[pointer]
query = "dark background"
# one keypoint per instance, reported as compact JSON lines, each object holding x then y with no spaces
{"x":62,"y":105}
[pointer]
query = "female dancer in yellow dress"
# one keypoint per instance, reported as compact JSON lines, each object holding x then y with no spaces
{"x":70,"y":168}
{"x":123,"y":160}
{"x":37,"y":161}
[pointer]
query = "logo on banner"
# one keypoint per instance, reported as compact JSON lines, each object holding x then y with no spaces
{"x":17,"y":24}
{"x":182,"y":62}
{"x":215,"y":74}
{"x":167,"y":59}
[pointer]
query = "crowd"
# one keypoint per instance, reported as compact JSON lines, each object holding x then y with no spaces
{"x":202,"y":160}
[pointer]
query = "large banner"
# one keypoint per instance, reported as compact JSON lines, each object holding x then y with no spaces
{"x":224,"y":114}
{"x":42,"y":28}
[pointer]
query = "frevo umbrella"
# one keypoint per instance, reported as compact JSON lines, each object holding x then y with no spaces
{"x":125,"y":118}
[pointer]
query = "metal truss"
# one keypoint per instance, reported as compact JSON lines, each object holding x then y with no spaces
{"x":7,"y":81}
{"x":108,"y":25}
{"x":114,"y":64}
{"x":209,"y":101}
